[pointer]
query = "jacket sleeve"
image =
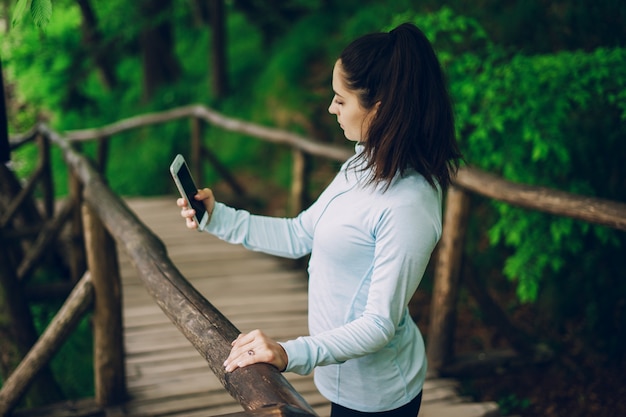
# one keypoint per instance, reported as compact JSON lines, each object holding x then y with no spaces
{"x":288,"y":238}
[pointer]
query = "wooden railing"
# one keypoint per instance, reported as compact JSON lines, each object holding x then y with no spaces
{"x":260,"y":388}
{"x":197,"y":114}
{"x":106,"y":220}
{"x":440,"y":350}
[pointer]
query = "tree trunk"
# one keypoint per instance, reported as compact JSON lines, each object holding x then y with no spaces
{"x":94,"y":44}
{"x":218,"y":50}
{"x":160,"y":66}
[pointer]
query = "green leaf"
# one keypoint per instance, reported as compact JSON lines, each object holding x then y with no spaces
{"x":41,"y":11}
{"x":20,"y":10}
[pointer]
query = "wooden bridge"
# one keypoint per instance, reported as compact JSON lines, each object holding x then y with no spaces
{"x":158,"y":348}
{"x":165,"y":374}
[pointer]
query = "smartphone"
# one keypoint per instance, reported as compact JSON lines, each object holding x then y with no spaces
{"x":187,"y":188}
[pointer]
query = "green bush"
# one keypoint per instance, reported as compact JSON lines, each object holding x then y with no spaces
{"x":552,"y":120}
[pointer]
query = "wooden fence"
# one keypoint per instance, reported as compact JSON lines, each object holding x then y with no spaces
{"x":106,"y":221}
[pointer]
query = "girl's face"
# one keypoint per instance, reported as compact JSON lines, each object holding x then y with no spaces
{"x":352,"y":118}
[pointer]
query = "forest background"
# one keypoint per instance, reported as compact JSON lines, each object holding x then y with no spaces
{"x":540,"y":95}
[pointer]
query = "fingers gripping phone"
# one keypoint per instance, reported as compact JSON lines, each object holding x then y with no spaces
{"x":187,"y":188}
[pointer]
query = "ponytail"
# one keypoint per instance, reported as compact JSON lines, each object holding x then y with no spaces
{"x":413,"y":126}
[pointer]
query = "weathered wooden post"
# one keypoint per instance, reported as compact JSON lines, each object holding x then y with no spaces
{"x":78,"y":261}
{"x":46,"y":346}
{"x":109,"y":367}
{"x":440,"y":347}
{"x":46,"y":175}
{"x":102,"y":154}
{"x":196,"y":149}
{"x":299,"y":182}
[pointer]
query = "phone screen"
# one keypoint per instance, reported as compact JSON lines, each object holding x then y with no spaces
{"x":190,"y":190}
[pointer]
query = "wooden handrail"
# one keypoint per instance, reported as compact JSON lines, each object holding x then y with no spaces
{"x":548,"y":200}
{"x":269,"y":134}
{"x":211,"y":333}
{"x":590,"y":209}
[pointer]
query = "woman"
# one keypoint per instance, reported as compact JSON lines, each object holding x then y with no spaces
{"x":370,"y":234}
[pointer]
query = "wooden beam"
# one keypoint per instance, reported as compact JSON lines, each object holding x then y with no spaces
{"x":197,"y":130}
{"x":63,"y":323}
{"x":21,"y":197}
{"x":78,"y":258}
{"x":109,"y":366}
{"x":268,"y":134}
{"x":548,"y":200}
{"x":299,"y":182}
{"x":102,"y":155}
{"x":447,"y":274}
{"x":45,"y":238}
{"x":47,"y":185}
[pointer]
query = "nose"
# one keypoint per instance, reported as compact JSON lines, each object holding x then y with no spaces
{"x":331,"y":108}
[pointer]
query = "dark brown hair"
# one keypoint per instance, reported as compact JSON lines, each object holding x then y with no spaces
{"x":413,"y":126}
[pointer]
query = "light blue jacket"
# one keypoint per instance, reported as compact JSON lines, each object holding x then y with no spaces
{"x":369,"y":249}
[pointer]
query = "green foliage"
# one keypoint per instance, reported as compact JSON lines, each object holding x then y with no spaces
{"x":73,"y":363}
{"x":511,"y":403}
{"x":535,"y":119}
{"x":530,"y":121}
{"x":526,"y":117}
{"x":40,"y":11}
{"x":30,"y":54}
{"x":549,"y":119}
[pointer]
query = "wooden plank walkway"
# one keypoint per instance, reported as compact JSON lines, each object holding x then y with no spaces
{"x":166,"y":376}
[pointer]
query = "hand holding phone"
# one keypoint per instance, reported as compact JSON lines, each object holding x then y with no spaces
{"x":187,"y":188}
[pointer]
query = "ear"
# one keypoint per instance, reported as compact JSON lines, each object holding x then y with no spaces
{"x":372,"y":112}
